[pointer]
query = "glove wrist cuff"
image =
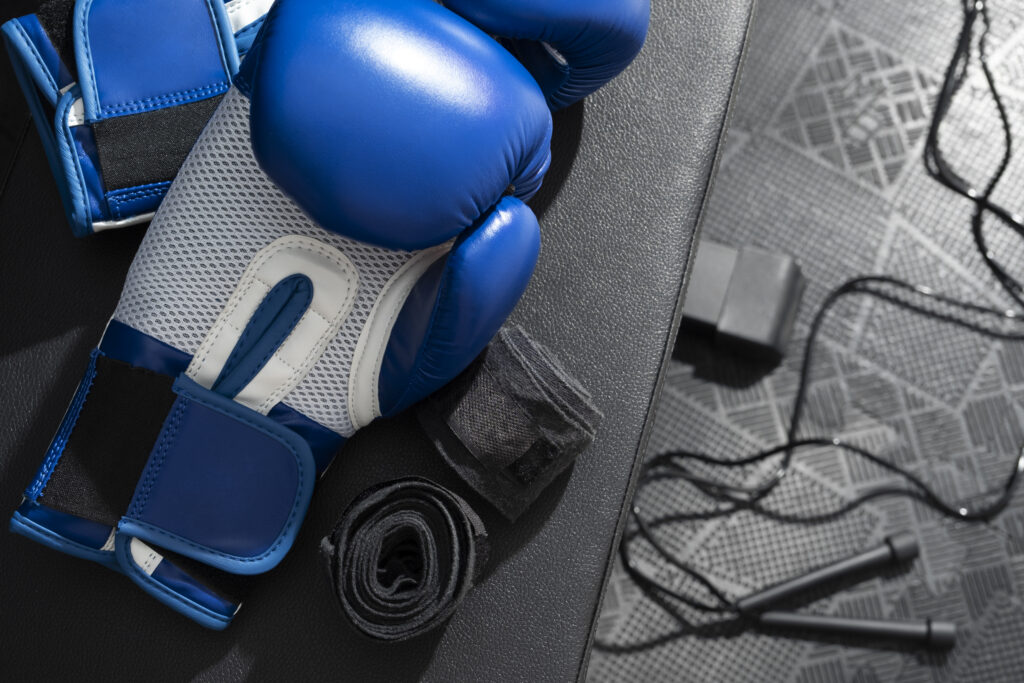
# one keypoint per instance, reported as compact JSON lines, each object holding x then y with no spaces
{"x":223,"y":485}
{"x":181,"y":489}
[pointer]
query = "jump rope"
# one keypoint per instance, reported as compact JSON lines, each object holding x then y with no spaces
{"x":730,"y":498}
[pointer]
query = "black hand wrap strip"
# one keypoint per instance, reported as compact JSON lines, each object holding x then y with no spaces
{"x":512,"y":422}
{"x":403,"y":556}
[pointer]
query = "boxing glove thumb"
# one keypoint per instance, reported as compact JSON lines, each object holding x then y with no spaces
{"x":571,"y":47}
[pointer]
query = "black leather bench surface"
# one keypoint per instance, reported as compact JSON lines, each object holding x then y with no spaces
{"x":619,"y":214}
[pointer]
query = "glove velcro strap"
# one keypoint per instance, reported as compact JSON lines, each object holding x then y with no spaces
{"x":88,"y":479}
{"x":125,"y":69}
{"x":224,"y":485}
{"x":147,"y":94}
{"x":120,"y":92}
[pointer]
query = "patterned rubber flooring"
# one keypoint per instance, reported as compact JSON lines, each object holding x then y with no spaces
{"x":823,"y":161}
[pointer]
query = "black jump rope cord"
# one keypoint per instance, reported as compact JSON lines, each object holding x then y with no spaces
{"x":985,"y":320}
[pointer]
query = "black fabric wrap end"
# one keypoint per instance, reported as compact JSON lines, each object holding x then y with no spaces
{"x":512,"y":422}
{"x":402,"y":557}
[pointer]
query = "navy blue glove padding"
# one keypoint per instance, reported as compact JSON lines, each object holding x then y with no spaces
{"x":121,"y":90}
{"x":572,"y":47}
{"x":346,"y":236}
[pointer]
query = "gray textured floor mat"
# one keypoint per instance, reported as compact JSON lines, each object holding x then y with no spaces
{"x":823,"y":161}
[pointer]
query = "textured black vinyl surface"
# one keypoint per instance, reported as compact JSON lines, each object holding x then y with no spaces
{"x":618,"y":212}
{"x":824,"y":162}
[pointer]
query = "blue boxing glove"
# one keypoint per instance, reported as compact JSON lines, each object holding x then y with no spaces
{"x":346,"y":236}
{"x":572,"y":47}
{"x":121,"y":90}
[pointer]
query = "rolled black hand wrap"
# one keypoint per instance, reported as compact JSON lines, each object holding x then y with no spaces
{"x":403,"y":556}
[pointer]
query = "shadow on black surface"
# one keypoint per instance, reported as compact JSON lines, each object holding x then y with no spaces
{"x":565,"y":143}
{"x":721,"y":366}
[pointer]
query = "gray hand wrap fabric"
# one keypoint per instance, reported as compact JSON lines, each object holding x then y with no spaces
{"x":512,"y":422}
{"x":403,"y":556}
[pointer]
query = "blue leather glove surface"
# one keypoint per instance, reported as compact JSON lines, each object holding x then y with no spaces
{"x":572,"y":47}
